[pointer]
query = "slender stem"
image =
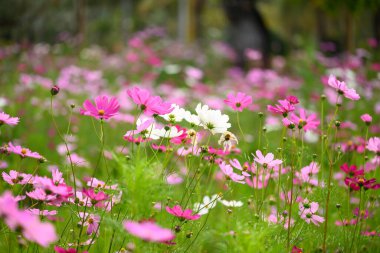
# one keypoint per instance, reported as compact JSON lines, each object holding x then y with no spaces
{"x":238,"y":123}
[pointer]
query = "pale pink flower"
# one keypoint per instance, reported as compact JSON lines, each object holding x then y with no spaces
{"x":30,"y":226}
{"x":267,"y":161}
{"x":149,"y":231}
{"x":8,"y":120}
{"x":305,"y":122}
{"x":238,"y":102}
{"x":312,"y":217}
{"x":366,"y":118}
{"x":182,"y":214}
{"x":173,"y":179}
{"x":15,"y":177}
{"x":374,"y":145}
{"x":105,"y":107}
{"x":91,"y":221}
{"x":307,"y":211}
{"x":23,"y":152}
{"x":342,"y":89}
{"x":228,"y":171}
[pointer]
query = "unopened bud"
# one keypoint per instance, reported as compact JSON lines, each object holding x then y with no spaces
{"x":54,"y":90}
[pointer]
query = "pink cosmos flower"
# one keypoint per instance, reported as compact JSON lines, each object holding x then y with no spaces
{"x":342,"y":89}
{"x":284,"y":107}
{"x":45,"y":213}
{"x":366,"y":118}
{"x":182,"y":214}
{"x":236,"y":164}
{"x":15,"y":177}
{"x":91,"y":221}
{"x":104,"y":108}
{"x":31,"y":227}
{"x":267,"y":161}
{"x":96,"y":183}
{"x":374,"y":145}
{"x":238,"y":102}
{"x":23,"y":152}
{"x":370,"y":233}
{"x":150,"y":105}
{"x":8,"y":120}
{"x":307,"y":212}
{"x":308,"y":173}
{"x":293,"y":100}
{"x":174,"y":179}
{"x":95,"y":197}
{"x":228,"y":171}
{"x":149,"y":231}
{"x":364,"y":214}
{"x":346,"y":222}
{"x":307,"y":206}
{"x":305,"y":122}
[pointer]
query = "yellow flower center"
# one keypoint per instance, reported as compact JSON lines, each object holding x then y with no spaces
{"x":23,"y":151}
{"x":100,"y":112}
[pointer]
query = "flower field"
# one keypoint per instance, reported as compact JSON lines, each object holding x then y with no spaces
{"x":163,"y":147}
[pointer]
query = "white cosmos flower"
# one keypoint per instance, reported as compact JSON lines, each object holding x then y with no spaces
{"x":232,"y":203}
{"x":177,"y":115}
{"x":208,"y":203}
{"x":166,"y":132}
{"x":212,"y":120}
{"x":192,"y":118}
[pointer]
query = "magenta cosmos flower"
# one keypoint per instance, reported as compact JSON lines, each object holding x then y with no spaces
{"x":70,"y":250}
{"x":8,"y":120}
{"x":149,"y":231}
{"x":95,"y":197}
{"x":352,"y":170}
{"x":267,"y":161}
{"x":150,"y":105}
{"x":284,"y":107}
{"x":238,"y":102}
{"x":305,"y":122}
{"x":342,"y":89}
{"x":182,"y":214}
{"x":356,"y":183}
{"x":104,"y":108}
{"x":23,"y":152}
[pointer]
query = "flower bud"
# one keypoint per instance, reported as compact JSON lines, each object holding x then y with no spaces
{"x":54,"y":90}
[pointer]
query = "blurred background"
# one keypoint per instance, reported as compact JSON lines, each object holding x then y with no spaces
{"x":269,"y":26}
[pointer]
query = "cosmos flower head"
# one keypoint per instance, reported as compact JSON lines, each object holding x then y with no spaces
{"x":212,"y":120}
{"x":302,"y":121}
{"x":22,"y":152}
{"x":105,"y":107}
{"x":239,"y":101}
{"x":267,"y":161}
{"x":6,"y":119}
{"x":342,"y":89}
{"x":149,"y":231}
{"x":182,"y":214}
{"x":149,"y":105}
